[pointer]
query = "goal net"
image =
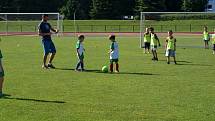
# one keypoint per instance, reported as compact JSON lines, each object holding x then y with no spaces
{"x":26,"y":23}
{"x":184,"y":24}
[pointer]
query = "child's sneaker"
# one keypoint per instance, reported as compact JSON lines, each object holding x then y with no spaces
{"x":45,"y":67}
{"x":51,"y":66}
{"x":1,"y":95}
{"x":77,"y":70}
{"x":116,"y":71}
{"x":82,"y":70}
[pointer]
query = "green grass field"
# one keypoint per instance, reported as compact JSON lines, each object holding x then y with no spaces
{"x":143,"y":90}
{"x":111,"y":25}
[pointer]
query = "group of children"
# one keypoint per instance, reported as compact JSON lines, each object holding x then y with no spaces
{"x":114,"y":54}
{"x":151,"y":41}
{"x":207,"y":38}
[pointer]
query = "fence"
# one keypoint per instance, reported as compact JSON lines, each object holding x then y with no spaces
{"x":108,"y":28}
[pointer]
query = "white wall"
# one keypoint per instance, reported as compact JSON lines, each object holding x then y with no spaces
{"x":211,"y":6}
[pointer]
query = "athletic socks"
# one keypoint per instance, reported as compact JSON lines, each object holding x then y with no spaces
{"x":117,"y":67}
{"x":82,"y":65}
{"x":1,"y":94}
{"x":111,"y":67}
{"x":77,"y":66}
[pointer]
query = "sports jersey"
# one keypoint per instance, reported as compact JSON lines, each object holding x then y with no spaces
{"x":115,"y":50}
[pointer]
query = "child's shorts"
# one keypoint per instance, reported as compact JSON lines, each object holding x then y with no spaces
{"x":214,"y":47}
{"x":1,"y":55}
{"x":81,"y":57}
{"x":154,"y":47}
{"x":2,"y":74}
{"x":114,"y":61}
{"x":147,"y":45}
{"x":1,"y":70}
{"x":170,"y":53}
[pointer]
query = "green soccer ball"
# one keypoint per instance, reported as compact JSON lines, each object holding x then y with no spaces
{"x":104,"y":69}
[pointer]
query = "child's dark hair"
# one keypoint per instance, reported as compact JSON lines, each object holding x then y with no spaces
{"x":80,"y":36}
{"x":170,"y":31}
{"x":112,"y":37}
{"x":151,"y":28}
{"x":45,"y":15}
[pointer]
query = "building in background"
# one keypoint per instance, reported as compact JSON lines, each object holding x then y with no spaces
{"x":210,"y":6}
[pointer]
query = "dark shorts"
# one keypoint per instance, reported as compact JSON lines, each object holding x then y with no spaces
{"x":1,"y":55}
{"x":114,"y":61}
{"x":170,"y":53}
{"x":214,"y":47}
{"x":205,"y":40}
{"x":81,"y":58}
{"x":1,"y":69}
{"x":48,"y":46}
{"x":154,"y":47}
{"x":147,"y":45}
{"x":2,"y":74}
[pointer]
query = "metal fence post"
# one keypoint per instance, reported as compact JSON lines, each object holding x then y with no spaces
{"x":21,"y":28}
{"x":91,"y":28}
{"x":161,"y":28}
{"x":35,"y":28}
{"x":77,"y":28}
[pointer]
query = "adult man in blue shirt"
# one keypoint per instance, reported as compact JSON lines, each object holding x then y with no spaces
{"x":44,"y":30}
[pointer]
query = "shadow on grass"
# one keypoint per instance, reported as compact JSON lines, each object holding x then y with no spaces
{"x":193,"y":64}
{"x":65,"y":69}
{"x":183,"y":61}
{"x":99,"y":71}
{"x":188,"y":63}
{"x":8,"y":97}
{"x":129,"y":73}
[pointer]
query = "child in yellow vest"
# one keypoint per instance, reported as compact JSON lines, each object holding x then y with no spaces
{"x":147,"y":40}
{"x":213,"y":42}
{"x":154,"y":44}
{"x":206,"y":37}
{"x":1,"y":74}
{"x":170,"y":47}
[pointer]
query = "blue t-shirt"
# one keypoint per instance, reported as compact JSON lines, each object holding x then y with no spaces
{"x":45,"y":27}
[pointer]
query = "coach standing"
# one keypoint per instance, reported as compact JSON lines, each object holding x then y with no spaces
{"x":44,"y":30}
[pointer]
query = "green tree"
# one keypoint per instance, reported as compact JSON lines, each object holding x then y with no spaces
{"x":101,"y":9}
{"x":187,"y":5}
{"x":199,"y":5}
{"x":142,"y":5}
{"x":173,"y":5}
{"x":194,"y":5}
{"x":157,"y":5}
{"x":29,"y":6}
{"x":79,"y":7}
{"x":150,"y":5}
{"x":122,"y":7}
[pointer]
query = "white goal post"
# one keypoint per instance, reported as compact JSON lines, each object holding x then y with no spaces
{"x":26,"y":23}
{"x":183,"y":22}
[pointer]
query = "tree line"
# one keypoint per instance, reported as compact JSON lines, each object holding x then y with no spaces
{"x":101,"y":9}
